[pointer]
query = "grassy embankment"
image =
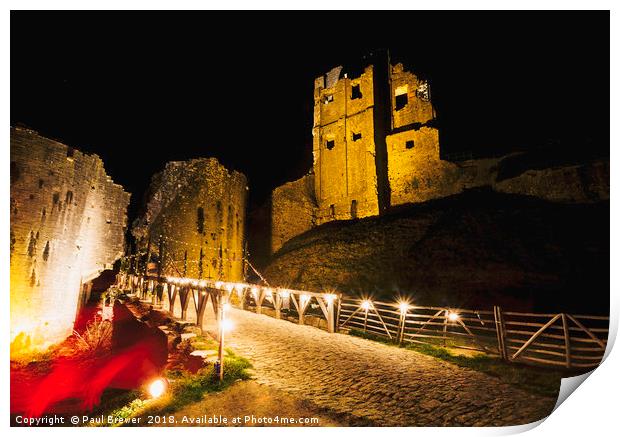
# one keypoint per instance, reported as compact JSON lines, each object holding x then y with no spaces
{"x":539,"y":381}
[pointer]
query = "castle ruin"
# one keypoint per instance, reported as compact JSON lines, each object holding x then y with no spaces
{"x":67,"y":225}
{"x":195,"y":220}
{"x":375,"y":146}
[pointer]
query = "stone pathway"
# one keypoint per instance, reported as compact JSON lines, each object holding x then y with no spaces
{"x":372,"y":381}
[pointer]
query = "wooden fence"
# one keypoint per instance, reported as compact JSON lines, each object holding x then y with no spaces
{"x":282,"y":302}
{"x":559,"y":340}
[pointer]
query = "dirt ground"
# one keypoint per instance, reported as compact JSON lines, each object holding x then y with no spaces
{"x":247,"y":399}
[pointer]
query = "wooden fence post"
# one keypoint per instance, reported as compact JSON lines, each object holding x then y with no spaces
{"x":330,"y":316}
{"x":203,"y":298}
{"x":501,"y":333}
{"x":172,"y":295}
{"x":277,"y":303}
{"x":183,"y":295}
{"x":566,"y":340}
{"x":158,"y":290}
{"x":445,"y":327}
{"x":401,"y":334}
{"x":259,"y":296}
{"x":337,"y":322}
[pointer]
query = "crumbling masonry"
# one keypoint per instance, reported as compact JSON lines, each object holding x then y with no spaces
{"x":67,"y":225}
{"x":195,"y":220}
{"x":375,"y":146}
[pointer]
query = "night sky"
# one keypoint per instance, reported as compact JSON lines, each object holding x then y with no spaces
{"x":140,"y":89}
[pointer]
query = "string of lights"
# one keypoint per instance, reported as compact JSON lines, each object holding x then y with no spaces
{"x":199,"y":246}
{"x":204,"y":261}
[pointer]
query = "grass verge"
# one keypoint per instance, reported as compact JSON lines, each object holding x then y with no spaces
{"x":185,"y":389}
{"x":539,"y":381}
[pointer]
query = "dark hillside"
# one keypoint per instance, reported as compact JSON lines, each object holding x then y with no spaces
{"x":470,"y":250}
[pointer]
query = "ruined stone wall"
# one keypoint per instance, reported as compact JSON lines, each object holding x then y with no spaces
{"x":410,"y":98}
{"x":293,"y":207}
{"x":567,"y":184}
{"x":415,"y":171}
{"x":67,"y":225}
{"x":343,"y":147}
{"x":417,"y":174}
{"x":198,"y":208}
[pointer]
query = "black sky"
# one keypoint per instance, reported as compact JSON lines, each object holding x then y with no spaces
{"x":144,"y":88}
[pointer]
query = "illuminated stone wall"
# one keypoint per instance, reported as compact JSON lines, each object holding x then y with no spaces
{"x":417,"y":174}
{"x":343,"y":147}
{"x":410,"y":97}
{"x":415,"y":171}
{"x":198,"y":208}
{"x":350,"y":139}
{"x":67,"y":225}
{"x":293,"y":206}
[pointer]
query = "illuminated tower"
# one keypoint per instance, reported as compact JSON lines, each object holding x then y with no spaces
{"x":349,"y":157}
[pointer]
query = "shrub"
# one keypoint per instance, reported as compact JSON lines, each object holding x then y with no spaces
{"x":96,"y":338}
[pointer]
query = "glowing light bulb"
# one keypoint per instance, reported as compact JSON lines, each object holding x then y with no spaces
{"x":329,"y":298}
{"x":226,"y":306}
{"x":366,"y":304}
{"x":404,"y":306}
{"x":453,"y":317}
{"x":158,"y":387}
{"x":227,"y":325}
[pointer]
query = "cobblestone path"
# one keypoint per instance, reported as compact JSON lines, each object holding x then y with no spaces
{"x":374,"y":382}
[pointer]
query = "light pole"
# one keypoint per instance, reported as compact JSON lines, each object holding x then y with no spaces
{"x":222,"y":329}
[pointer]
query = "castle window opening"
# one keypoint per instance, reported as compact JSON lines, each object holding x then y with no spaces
{"x":409,"y":144}
{"x":329,"y":98}
{"x":330,"y":144}
{"x":200,"y":220}
{"x":401,"y":98}
{"x":354,"y":209}
{"x":401,"y":101}
{"x":356,"y":93}
{"x":70,"y":152}
{"x":357,"y":136}
{"x":332,"y":210}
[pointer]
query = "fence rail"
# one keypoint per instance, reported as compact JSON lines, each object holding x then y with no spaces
{"x":558,"y":340}
{"x":166,"y":291}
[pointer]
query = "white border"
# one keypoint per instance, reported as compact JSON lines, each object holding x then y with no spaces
{"x":591,"y":411}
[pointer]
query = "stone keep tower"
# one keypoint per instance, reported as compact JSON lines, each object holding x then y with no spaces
{"x":344,"y":147}
{"x":374,"y":146}
{"x":365,"y":134}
